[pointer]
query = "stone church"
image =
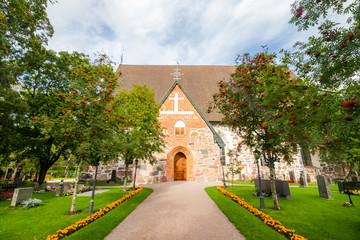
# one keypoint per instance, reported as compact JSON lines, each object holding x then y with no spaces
{"x":194,"y":137}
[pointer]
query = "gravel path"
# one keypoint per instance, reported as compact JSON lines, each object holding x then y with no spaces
{"x":176,"y":210}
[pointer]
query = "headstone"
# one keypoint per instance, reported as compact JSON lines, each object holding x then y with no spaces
{"x":36,"y":186}
{"x":354,"y":176}
{"x":60,"y":189}
{"x":302,"y":181}
{"x":323,"y":186}
{"x":341,"y":187}
{"x":86,"y":177}
{"x":243,"y":177}
{"x":113,"y":176}
{"x":292,"y":176}
{"x":21,"y":194}
{"x":282,"y":187}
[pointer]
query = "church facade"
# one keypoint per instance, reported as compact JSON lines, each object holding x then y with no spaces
{"x":194,"y":137}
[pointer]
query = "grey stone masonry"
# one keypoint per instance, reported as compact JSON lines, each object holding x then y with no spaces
{"x":323,"y":186}
{"x":21,"y":194}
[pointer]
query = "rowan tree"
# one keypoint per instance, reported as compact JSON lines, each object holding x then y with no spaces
{"x":268,"y":108}
{"x":332,"y":57}
{"x":138,"y":132}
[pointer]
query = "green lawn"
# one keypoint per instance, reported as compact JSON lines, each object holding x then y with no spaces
{"x":98,"y":183}
{"x":310,"y":216}
{"x":39,"y":222}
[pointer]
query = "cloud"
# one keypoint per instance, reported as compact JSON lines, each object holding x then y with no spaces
{"x":162,"y":32}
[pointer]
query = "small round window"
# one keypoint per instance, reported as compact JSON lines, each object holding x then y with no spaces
{"x":179,"y":128}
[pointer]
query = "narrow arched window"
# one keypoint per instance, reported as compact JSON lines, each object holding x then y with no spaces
{"x":179,"y":128}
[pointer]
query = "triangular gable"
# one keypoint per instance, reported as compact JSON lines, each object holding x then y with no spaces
{"x":217,"y":138}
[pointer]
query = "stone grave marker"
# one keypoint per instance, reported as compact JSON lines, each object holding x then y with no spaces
{"x":36,"y":186}
{"x":323,"y":186}
{"x":292,"y":176}
{"x":21,"y":194}
{"x":86,"y":177}
{"x":354,"y":176}
{"x":302,"y":181}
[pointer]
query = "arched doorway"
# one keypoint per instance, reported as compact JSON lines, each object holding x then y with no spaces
{"x":180,"y":167}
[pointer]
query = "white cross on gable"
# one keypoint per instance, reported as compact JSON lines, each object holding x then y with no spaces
{"x":176,"y":102}
{"x":176,"y":99}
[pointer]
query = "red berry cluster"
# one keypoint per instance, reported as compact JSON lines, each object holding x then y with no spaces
{"x":349,"y":104}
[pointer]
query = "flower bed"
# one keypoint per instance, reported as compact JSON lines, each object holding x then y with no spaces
{"x":268,"y":220}
{"x":83,"y":222}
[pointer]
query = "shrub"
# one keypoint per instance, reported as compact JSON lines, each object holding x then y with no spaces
{"x":31,"y":203}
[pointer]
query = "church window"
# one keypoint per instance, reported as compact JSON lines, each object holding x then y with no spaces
{"x":179,"y":128}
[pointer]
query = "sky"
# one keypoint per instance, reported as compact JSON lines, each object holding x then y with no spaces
{"x":167,"y":32}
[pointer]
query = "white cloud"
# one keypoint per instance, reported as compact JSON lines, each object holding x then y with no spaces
{"x":162,"y":31}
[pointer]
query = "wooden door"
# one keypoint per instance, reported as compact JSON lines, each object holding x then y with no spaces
{"x":180,"y":167}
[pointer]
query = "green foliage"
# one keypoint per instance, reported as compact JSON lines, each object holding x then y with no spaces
{"x":138,"y":132}
{"x":332,"y":57}
{"x":265,"y":106}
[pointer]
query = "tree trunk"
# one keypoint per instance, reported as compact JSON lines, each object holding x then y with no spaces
{"x":42,"y":172}
{"x":73,"y":203}
{"x":66,"y":172}
{"x":125,"y":176}
{"x":272,"y":185}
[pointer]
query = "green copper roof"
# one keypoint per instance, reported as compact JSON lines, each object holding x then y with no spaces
{"x":217,"y":138}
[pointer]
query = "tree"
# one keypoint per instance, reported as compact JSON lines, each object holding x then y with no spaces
{"x":234,"y":165}
{"x":267,"y":108}
{"x":84,"y":119}
{"x":23,"y":26}
{"x":331,"y":60}
{"x":138,"y":131}
{"x":333,"y":57}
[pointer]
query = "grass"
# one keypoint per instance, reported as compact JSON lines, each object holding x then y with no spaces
{"x":247,"y":224}
{"x":310,"y":216}
{"x":39,"y":222}
{"x":239,"y":182}
{"x":101,"y":183}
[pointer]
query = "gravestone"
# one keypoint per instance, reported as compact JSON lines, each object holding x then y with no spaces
{"x":302,"y":181}
{"x":113,"y":176}
{"x":282,"y":187}
{"x":36,"y":186}
{"x":292,"y":176}
{"x":243,"y":177}
{"x":354,"y":176}
{"x":60,"y":189}
{"x":323,"y":186}
{"x":330,"y":181}
{"x":21,"y":194}
{"x":341,"y":187}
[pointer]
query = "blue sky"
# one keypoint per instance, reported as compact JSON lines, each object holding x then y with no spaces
{"x":166,"y":31}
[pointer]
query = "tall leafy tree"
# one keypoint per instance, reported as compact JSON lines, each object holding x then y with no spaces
{"x":23,"y":25}
{"x":333,"y":56}
{"x":84,"y":118}
{"x":138,"y":132}
{"x":267,"y":108}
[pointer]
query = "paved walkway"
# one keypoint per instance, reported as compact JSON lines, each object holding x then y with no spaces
{"x":176,"y":210}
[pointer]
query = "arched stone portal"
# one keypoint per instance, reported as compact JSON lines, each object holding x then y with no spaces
{"x":184,"y":158}
{"x":180,"y":171}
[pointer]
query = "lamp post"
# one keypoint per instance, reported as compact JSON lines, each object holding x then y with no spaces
{"x":136,"y":163}
{"x":257,"y":156}
{"x":222,"y":159}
